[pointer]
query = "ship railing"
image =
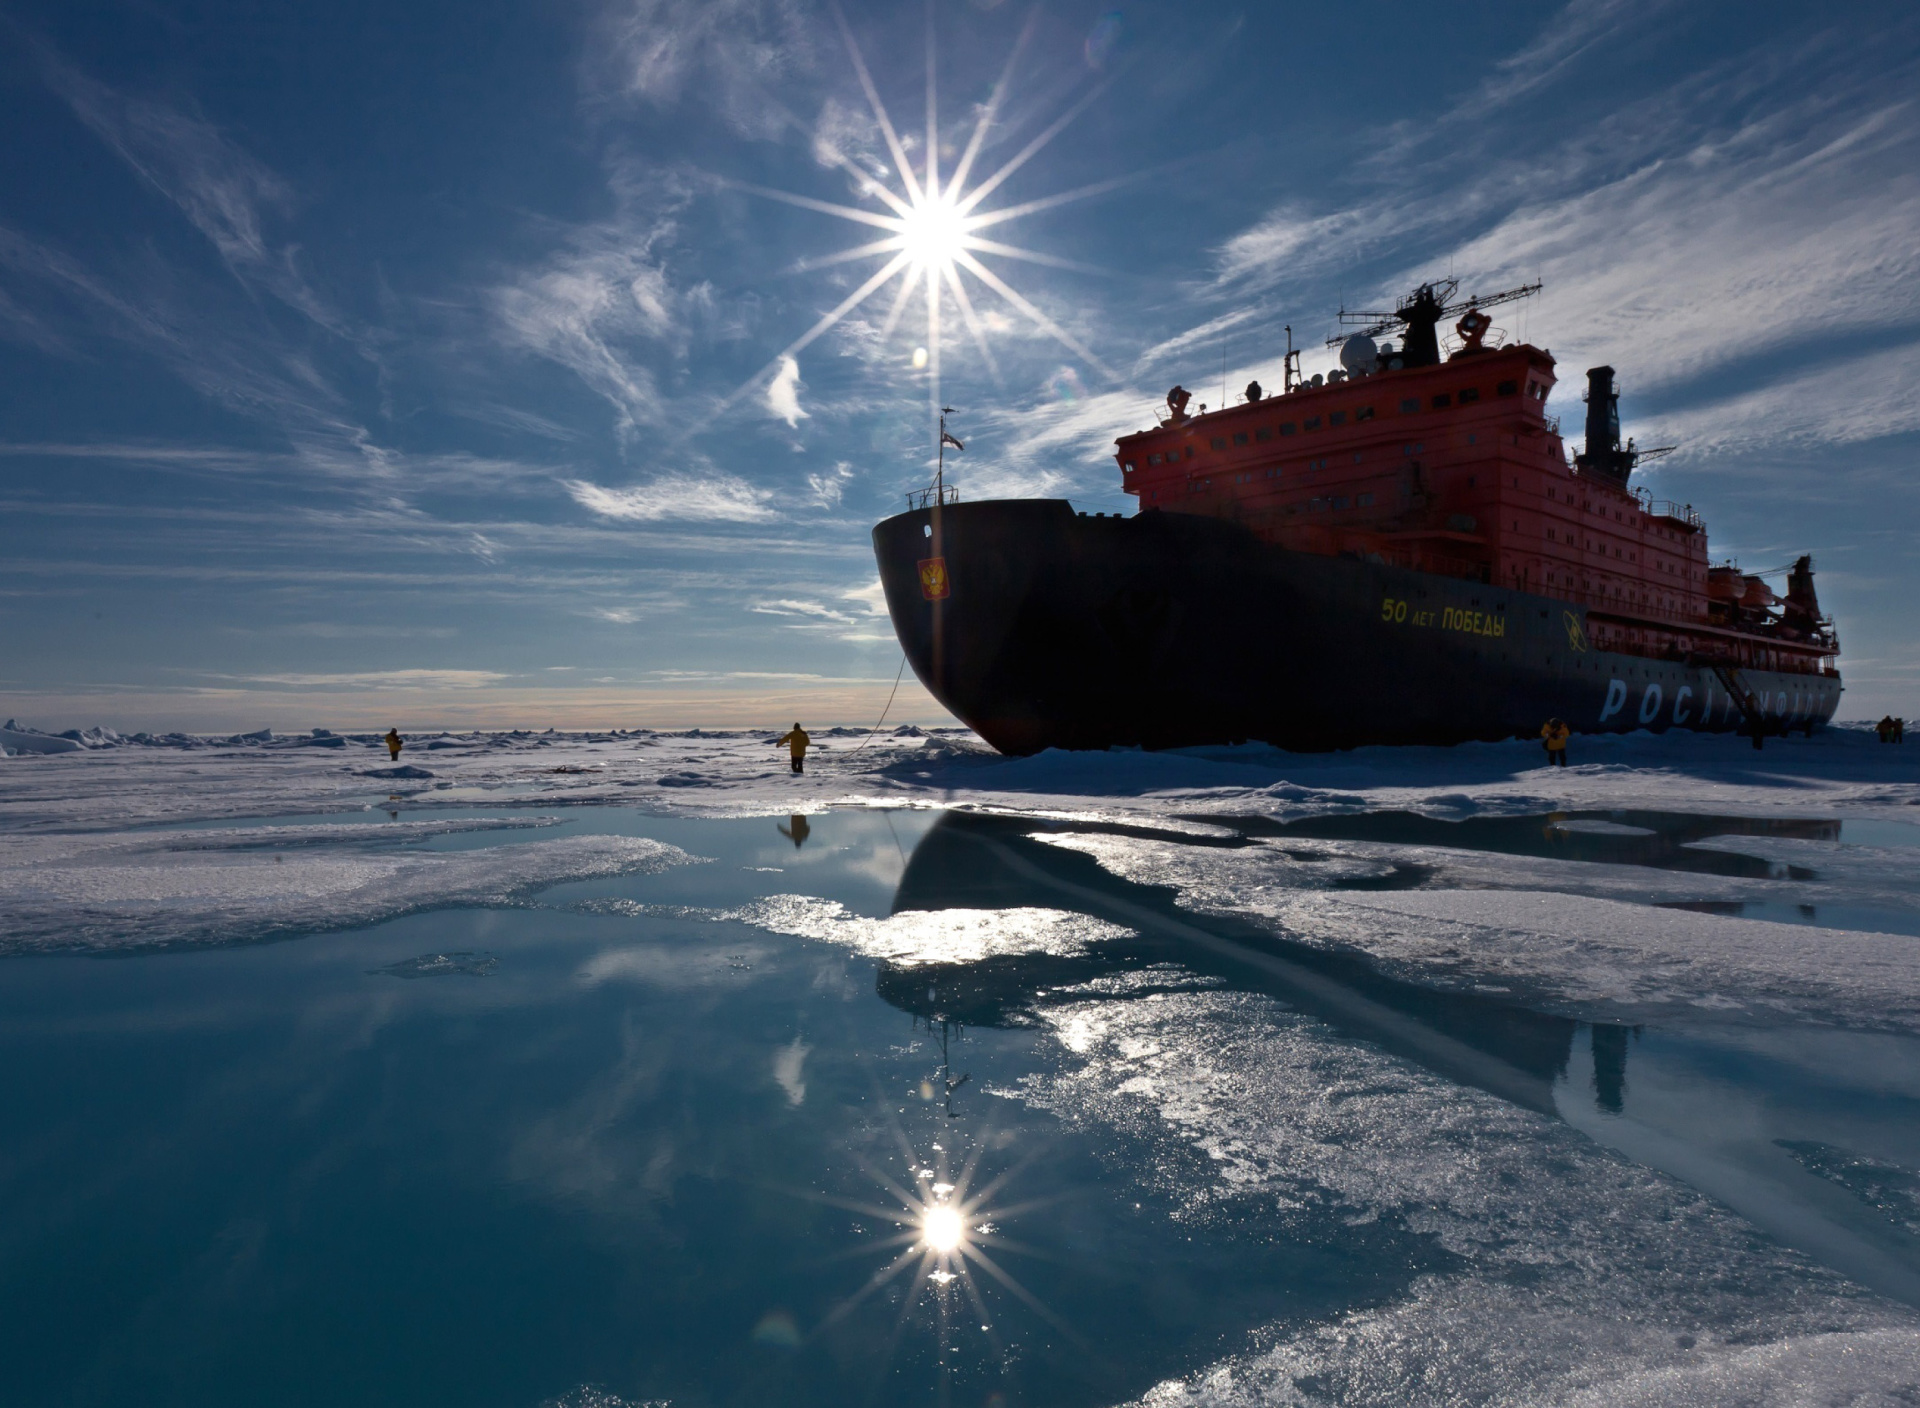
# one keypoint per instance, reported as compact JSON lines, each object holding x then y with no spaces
{"x":1667,"y":508}
{"x":933,"y":494}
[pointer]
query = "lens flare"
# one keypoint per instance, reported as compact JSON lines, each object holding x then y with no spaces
{"x":930,"y":228}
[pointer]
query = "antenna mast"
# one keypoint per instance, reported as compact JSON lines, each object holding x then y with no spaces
{"x":940,"y":470}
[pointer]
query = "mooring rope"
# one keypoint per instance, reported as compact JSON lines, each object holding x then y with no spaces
{"x":898,"y":676}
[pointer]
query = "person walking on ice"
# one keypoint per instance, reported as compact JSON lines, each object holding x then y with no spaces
{"x":797,"y":746}
{"x":1555,"y":734}
{"x":394,"y":744}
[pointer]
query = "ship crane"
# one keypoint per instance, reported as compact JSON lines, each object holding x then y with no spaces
{"x":1421,"y":312}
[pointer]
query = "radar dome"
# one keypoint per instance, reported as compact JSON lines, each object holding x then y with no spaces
{"x":1357,"y":353}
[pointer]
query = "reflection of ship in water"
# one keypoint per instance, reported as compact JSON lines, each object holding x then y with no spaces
{"x":969,"y":861}
{"x":1659,"y":840}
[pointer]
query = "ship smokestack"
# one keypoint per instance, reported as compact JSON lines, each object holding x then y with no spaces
{"x":1604,"y":455}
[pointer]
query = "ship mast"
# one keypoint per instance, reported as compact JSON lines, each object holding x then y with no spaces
{"x":940,"y":465}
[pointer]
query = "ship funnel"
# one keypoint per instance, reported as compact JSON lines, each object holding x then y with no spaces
{"x":1604,"y":455}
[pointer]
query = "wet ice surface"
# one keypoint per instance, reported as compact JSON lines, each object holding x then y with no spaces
{"x":597,"y":1075}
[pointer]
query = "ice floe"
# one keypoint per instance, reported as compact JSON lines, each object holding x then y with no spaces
{"x":100,"y":891}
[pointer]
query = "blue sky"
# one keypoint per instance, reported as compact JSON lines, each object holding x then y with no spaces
{"x":422,"y":364}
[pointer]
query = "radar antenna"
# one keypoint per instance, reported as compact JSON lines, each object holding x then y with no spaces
{"x":1420,"y":313}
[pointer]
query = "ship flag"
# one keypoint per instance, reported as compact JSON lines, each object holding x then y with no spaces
{"x":946,"y":439}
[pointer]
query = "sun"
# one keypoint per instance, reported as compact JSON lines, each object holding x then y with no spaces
{"x":933,"y":235}
{"x":929,"y":229}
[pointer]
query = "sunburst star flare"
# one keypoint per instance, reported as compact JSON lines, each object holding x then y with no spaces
{"x":930,"y":228}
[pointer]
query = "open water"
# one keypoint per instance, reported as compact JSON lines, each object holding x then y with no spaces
{"x":684,"y":1137}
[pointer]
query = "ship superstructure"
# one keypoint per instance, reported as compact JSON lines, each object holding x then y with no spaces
{"x":1454,"y":467}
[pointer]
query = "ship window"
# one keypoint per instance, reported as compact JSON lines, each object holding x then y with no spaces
{"x":1507,"y":388}
{"x":1365,"y":501}
{"x":1128,"y":467}
{"x":1471,"y":393}
{"x":1310,"y":423}
{"x":1263,"y":433}
{"x":1443,"y":399}
{"x":1317,"y":505}
{"x":1219,"y":443}
{"x":1410,"y":405}
{"x":1364,"y":413}
{"x":1340,"y":502}
{"x":1473,"y":439}
{"x":1239,"y":437}
{"x":1286,"y":427}
{"x":1337,"y":418}
{"x":1155,"y":459}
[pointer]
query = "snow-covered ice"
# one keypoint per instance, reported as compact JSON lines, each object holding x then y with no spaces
{"x":127,"y":890}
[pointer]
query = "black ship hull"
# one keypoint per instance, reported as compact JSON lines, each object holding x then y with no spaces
{"x":1042,"y":628}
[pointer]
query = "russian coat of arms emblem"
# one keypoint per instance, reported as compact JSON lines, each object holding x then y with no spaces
{"x":934,"y":585}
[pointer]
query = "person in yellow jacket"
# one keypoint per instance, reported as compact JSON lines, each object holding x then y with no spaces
{"x":797,"y":745}
{"x":394,"y":744}
{"x":1555,"y":734}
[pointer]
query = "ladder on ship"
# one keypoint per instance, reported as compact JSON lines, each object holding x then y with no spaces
{"x":1742,"y":694}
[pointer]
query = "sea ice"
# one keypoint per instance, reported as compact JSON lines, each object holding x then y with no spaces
{"x":1564,"y":1272}
{"x":132,"y":890}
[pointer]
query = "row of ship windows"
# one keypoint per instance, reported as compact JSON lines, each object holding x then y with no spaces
{"x":1635,"y":522}
{"x":1199,"y":486}
{"x":1570,"y":540}
{"x":1410,"y":406}
{"x":1567,"y":580}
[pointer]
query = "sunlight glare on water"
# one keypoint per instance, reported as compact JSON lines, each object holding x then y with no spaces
{"x":942,"y":1229}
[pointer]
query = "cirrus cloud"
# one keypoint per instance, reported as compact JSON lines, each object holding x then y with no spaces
{"x":708,"y":498}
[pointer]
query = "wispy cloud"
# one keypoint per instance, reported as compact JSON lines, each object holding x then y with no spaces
{"x":815,"y":610}
{"x":830,"y":487}
{"x":224,"y":192}
{"x":379,"y":679}
{"x":598,"y":308}
{"x":709,"y":498}
{"x":730,"y":51}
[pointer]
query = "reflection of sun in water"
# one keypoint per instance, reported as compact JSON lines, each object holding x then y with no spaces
{"x":931,"y":228}
{"x":942,"y":1228}
{"x":947,"y":1232}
